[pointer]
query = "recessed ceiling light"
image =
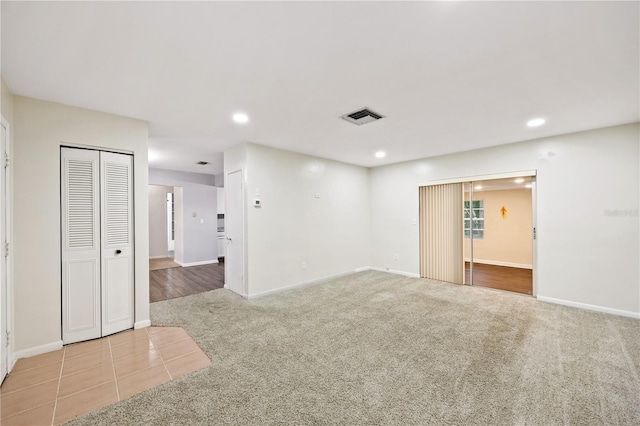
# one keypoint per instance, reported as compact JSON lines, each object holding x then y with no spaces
{"x":519,"y":180}
{"x":528,"y":186}
{"x":380,"y":154}
{"x":477,"y":187}
{"x":536,"y":122}
{"x":240,"y":117}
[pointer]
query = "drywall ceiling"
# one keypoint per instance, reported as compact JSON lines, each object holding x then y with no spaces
{"x":448,"y":76}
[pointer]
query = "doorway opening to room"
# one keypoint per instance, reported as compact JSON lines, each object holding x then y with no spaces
{"x":480,"y":231}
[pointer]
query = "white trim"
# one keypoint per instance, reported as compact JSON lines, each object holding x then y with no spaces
{"x":394,"y":271}
{"x":8,"y":183}
{"x":159,"y":257}
{"x":187,"y":264}
{"x":37,"y":350}
{"x":142,"y":324}
{"x":481,"y":177}
{"x":590,"y":307}
{"x":499,"y":263}
{"x":305,"y":283}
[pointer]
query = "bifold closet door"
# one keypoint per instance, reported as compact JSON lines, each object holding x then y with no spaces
{"x":80,"y":201}
{"x":117,"y":232}
{"x":97,"y":255}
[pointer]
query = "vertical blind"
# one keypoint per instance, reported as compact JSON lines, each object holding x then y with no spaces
{"x":441,"y":232}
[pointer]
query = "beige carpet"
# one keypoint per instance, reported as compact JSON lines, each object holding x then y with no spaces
{"x":164,"y":263}
{"x":378,"y":349}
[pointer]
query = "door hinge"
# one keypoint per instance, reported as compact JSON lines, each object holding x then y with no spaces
{"x":6,"y":160}
{"x":534,"y":233}
{"x":6,"y":249}
{"x":8,"y":338}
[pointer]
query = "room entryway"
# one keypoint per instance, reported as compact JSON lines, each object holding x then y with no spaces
{"x":169,"y":283}
{"x":480,"y":232}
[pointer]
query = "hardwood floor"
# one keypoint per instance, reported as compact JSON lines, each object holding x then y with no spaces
{"x":178,"y":282}
{"x":501,"y":277}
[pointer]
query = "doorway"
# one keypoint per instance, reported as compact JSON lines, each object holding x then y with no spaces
{"x":484,"y":238}
{"x":498,"y":233}
{"x":234,"y":227}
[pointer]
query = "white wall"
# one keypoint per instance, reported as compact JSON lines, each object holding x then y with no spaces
{"x":199,"y":197}
{"x":331,"y":234}
{"x":158,"y":231}
{"x":40,"y":128}
{"x":584,"y":255}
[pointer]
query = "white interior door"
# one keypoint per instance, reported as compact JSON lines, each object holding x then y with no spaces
{"x":3,"y":262}
{"x":234,"y":229}
{"x":117,"y":242}
{"x":80,"y":212}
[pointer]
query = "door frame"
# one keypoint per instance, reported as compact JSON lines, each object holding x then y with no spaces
{"x":245,"y":292}
{"x":533,"y":173}
{"x":7,"y":304}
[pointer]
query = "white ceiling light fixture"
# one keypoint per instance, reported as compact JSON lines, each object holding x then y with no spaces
{"x":519,"y":180}
{"x":380,"y":154}
{"x":536,"y":122}
{"x":240,"y":117}
{"x":528,"y":186}
{"x":477,"y":187}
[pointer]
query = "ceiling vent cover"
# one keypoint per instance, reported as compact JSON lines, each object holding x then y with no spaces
{"x":202,"y":163}
{"x":362,"y":116}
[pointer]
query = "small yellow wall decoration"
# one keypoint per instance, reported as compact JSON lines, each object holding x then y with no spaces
{"x":503,"y":212}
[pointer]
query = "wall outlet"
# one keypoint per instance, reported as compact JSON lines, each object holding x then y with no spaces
{"x":304,"y":265}
{"x":388,"y":268}
{"x":396,"y":256}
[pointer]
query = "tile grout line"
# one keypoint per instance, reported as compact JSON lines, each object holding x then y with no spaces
{"x":160,"y":355}
{"x":113,"y":367}
{"x":55,"y":401}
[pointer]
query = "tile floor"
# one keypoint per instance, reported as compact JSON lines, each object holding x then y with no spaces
{"x":77,"y":379}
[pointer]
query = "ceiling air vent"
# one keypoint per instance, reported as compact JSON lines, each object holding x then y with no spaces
{"x":362,"y":116}
{"x":202,"y":163}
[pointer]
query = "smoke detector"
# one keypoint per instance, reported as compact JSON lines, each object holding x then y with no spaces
{"x":362,"y":116}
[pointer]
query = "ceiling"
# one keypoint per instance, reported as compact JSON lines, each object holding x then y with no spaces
{"x":448,"y":76}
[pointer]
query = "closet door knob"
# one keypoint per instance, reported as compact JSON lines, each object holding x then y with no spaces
{"x":118,"y":251}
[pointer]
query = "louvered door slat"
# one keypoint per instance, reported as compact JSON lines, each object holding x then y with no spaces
{"x":80,"y":202}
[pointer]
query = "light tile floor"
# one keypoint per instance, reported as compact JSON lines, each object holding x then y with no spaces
{"x":77,"y":379}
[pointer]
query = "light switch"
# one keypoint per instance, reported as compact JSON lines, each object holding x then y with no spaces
{"x":194,"y":214}
{"x":201,"y":220}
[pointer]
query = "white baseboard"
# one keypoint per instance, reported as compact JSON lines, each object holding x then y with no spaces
{"x":305,"y":283}
{"x":499,"y":263}
{"x":362,"y":269}
{"x":158,"y":257}
{"x":36,"y":350}
{"x":187,"y":264}
{"x":394,"y":271}
{"x":590,"y":307}
{"x":142,"y":324}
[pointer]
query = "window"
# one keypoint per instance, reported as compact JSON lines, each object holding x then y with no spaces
{"x":478,"y":219}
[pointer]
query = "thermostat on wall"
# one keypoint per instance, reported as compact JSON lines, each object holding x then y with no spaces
{"x":256,"y":202}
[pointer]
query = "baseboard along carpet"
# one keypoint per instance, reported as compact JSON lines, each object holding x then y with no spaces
{"x":375,"y":348}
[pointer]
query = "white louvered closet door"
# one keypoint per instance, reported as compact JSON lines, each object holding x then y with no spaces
{"x":81,"y":316}
{"x":97,"y":246}
{"x":117,"y":242}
